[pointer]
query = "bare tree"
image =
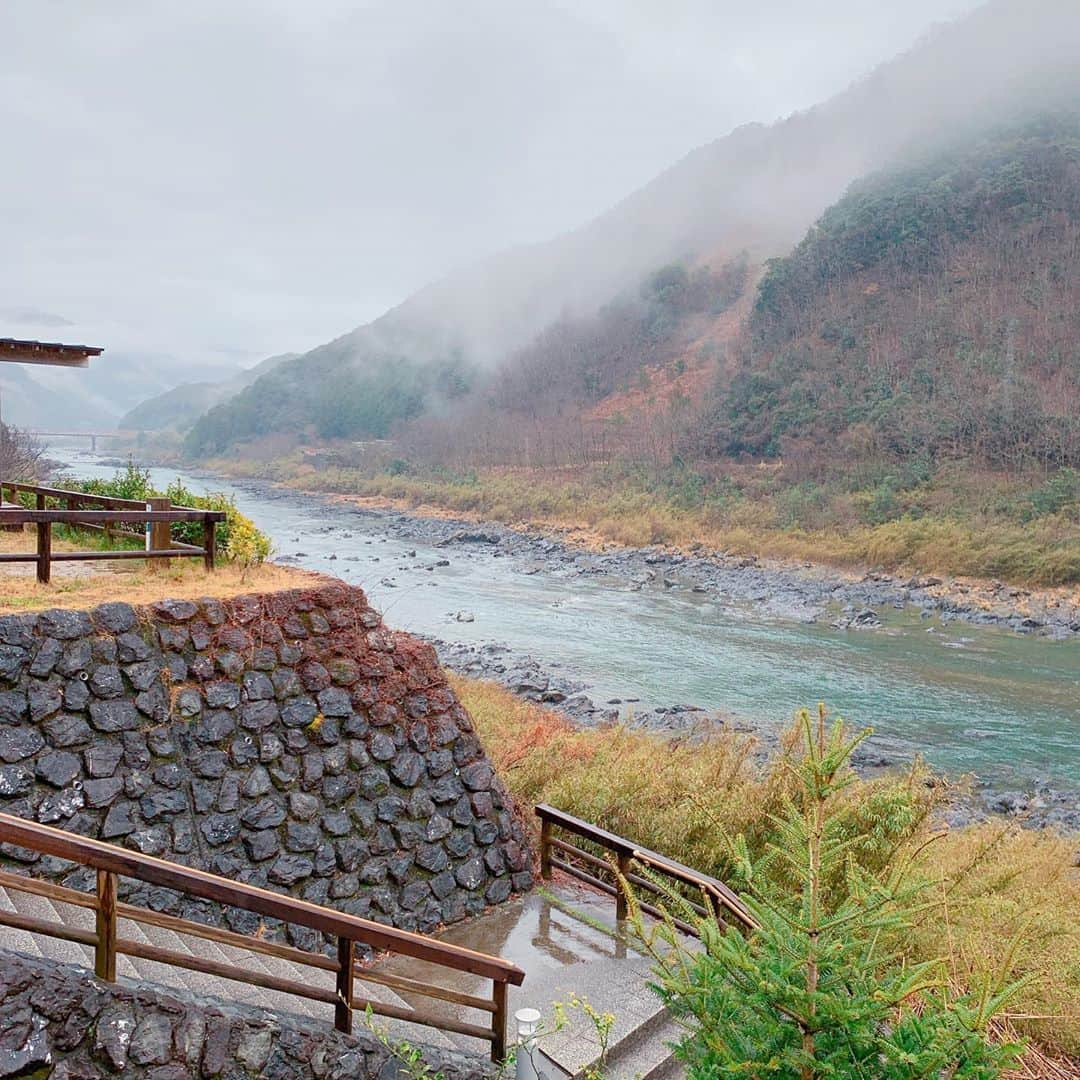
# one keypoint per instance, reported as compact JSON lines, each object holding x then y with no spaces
{"x":21,"y":455}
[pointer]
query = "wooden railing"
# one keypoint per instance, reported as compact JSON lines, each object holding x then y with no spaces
{"x":696,"y":889}
{"x":104,"y":514}
{"x":112,"y":862}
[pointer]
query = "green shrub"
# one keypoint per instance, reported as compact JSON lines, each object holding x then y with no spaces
{"x":238,"y":538}
{"x":821,"y":988}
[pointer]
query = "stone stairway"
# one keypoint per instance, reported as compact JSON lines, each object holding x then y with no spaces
{"x":562,"y":937}
{"x":196,"y":984}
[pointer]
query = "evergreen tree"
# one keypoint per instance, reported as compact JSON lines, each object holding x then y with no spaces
{"x":821,"y":989}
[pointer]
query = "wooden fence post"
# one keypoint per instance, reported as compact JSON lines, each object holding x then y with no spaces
{"x":498,"y":1022}
{"x":160,"y":532}
{"x":545,"y":849}
{"x":105,"y":953}
{"x":209,"y":543}
{"x":44,"y":546}
{"x":346,"y":952}
{"x":622,"y":883}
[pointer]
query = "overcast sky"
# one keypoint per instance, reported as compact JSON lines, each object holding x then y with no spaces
{"x":233,"y":178}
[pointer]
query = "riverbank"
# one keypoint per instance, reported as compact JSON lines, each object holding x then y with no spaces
{"x":800,"y":590}
{"x":1023,"y":531}
{"x":612,"y":632}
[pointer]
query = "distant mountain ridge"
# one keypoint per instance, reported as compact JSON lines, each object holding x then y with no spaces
{"x":179,"y":407}
{"x":757,"y":189}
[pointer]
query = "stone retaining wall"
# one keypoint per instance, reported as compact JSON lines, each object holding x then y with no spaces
{"x":62,"y":1023}
{"x":288,"y":740}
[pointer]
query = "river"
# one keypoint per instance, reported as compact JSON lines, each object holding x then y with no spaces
{"x":971,"y":699}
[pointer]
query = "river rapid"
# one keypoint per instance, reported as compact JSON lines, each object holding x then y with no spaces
{"x":662,"y":640}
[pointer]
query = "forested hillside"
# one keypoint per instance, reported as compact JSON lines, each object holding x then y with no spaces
{"x":934,"y":312}
{"x":757,"y":189}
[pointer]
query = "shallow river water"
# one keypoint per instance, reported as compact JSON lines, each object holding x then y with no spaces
{"x":1002,"y":705}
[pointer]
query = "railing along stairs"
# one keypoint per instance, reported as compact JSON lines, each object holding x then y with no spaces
{"x":111,"y":863}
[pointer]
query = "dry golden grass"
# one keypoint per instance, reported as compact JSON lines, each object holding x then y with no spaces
{"x":996,"y":881}
{"x":83,"y":585}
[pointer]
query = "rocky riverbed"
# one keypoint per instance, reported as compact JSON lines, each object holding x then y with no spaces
{"x":807,"y":593}
{"x":801,"y":591}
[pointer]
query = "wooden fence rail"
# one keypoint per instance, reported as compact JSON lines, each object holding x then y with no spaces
{"x":704,"y":894}
{"x":103,"y":513}
{"x":112,"y":862}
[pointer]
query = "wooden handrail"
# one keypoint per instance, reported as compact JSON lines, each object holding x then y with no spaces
{"x":155,"y":513}
{"x":112,"y":862}
{"x":127,"y":517}
{"x":627,"y":852}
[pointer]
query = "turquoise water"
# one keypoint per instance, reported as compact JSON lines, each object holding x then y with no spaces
{"x":971,"y":699}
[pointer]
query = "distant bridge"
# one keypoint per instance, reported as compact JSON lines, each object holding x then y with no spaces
{"x":93,"y":436}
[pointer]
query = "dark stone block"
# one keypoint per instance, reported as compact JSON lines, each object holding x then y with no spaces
{"x":439,"y":763}
{"x":337,"y":789}
{"x":264,"y":658}
{"x":18,"y":743}
{"x":44,"y":700}
{"x":261,"y":845}
{"x":265,"y":814}
{"x":352,"y":853}
{"x":46,"y":658}
{"x":414,"y":894}
{"x":106,"y":680}
{"x":13,"y":706}
{"x":228,"y":798}
{"x":437,"y":828}
{"x":222,"y":694}
{"x":144,"y":674}
{"x":257,"y":783}
{"x":498,"y":891}
{"x":119,"y":821}
{"x":259,"y":715}
{"x":15,"y":781}
{"x":174,"y":638}
{"x":314,"y":677}
{"x":299,"y":712}
{"x":66,"y":730}
{"x":477,"y":777}
{"x":442,"y":885}
{"x":432,"y":857}
{"x":114,"y":617}
{"x":462,"y":813}
{"x":154,"y":703}
{"x":459,"y":843}
{"x":66,"y":625}
{"x":76,"y":695}
{"x":302,"y":836}
{"x":289,"y":869}
{"x":209,"y":764}
{"x":101,"y":793}
{"x":257,"y":686}
{"x":407,"y":768}
{"x":220,"y":829}
{"x":102,"y":758}
{"x":130,"y":647}
{"x":214,"y":726}
{"x":175,"y":611}
{"x":382,"y":747}
{"x":486,"y":832}
{"x":337,"y":823}
{"x":13,"y":661}
{"x":390,"y":808}
{"x":189,"y":703}
{"x":302,"y":806}
{"x":111,"y":716}
{"x":229,"y":663}
{"x":59,"y":768}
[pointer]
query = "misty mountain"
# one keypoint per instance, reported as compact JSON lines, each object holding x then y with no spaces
{"x":757,"y":189}
{"x":931,"y":314}
{"x":179,"y":407}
